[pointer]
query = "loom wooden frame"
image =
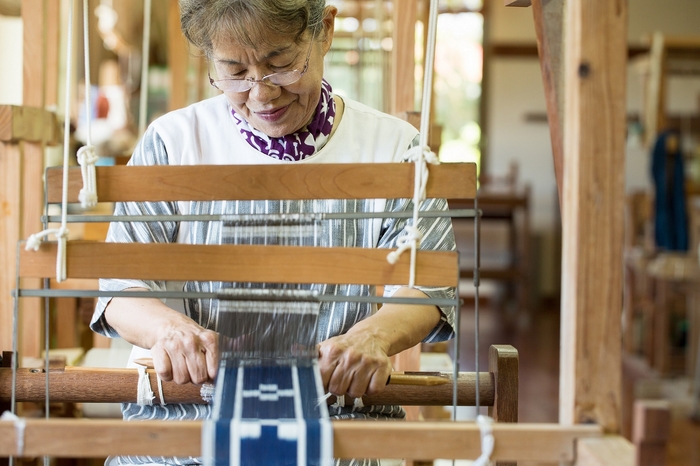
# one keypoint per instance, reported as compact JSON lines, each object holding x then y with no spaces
{"x":356,"y":439}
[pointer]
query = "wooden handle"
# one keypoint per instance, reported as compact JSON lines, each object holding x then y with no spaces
{"x":146,"y":362}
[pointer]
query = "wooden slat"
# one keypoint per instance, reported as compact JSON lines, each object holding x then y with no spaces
{"x":254,"y":182}
{"x":101,"y":385}
{"x":503,"y":364}
{"x":274,"y":264}
{"x":72,"y":438}
{"x":594,"y":145}
{"x":23,"y":123}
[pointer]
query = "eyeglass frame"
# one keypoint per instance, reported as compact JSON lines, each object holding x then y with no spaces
{"x":266,"y":79}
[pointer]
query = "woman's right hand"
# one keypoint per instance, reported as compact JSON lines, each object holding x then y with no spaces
{"x":185,"y":352}
{"x":182,"y":350}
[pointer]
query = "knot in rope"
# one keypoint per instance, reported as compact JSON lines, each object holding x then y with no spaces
{"x":407,"y":241}
{"x":421,"y":156}
{"x":87,"y":159}
{"x":485,"y":424}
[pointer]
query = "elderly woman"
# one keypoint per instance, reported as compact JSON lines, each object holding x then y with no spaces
{"x":266,"y":57}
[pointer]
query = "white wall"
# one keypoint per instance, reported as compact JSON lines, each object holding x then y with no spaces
{"x":515,"y":88}
{"x":10,"y":60}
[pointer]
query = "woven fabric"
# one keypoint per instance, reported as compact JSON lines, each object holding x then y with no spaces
{"x":268,"y":414}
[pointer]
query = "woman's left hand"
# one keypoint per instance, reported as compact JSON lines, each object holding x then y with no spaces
{"x":354,"y":364}
{"x":357,"y":362}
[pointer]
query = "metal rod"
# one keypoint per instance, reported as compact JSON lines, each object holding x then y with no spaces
{"x":457,"y":213}
{"x":53,"y":293}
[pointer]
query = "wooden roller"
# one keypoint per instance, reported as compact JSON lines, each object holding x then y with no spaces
{"x":100,"y":385}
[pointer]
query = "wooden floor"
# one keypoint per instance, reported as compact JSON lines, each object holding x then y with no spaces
{"x":536,"y":338}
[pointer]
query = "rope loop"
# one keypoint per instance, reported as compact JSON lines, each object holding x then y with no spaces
{"x":87,"y":157}
{"x":34,"y":242}
{"x":405,"y":242}
{"x":485,"y":424}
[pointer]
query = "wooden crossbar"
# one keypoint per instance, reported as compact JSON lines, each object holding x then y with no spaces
{"x":77,"y":438}
{"x":102,"y":385}
{"x":250,"y":263}
{"x":258,"y":182}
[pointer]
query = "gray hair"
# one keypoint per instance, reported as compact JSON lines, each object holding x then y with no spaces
{"x":248,"y":22}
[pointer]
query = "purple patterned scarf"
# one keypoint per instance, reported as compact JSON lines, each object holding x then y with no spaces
{"x":296,"y":146}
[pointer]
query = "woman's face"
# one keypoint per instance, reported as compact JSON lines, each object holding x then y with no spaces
{"x":274,"y":110}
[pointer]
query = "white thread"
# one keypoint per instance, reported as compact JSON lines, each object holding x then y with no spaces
{"x":160,"y":390}
{"x":358,"y":404}
{"x":20,"y":425}
{"x":144,"y":394}
{"x":339,"y":402}
{"x":207,"y":392}
{"x":485,"y":424}
{"x":87,"y":158}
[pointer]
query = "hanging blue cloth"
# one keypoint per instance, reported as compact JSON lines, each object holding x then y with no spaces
{"x":671,"y":218}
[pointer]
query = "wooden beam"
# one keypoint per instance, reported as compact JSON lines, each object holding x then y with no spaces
{"x":610,"y":450}
{"x":549,"y":26}
{"x":72,"y":438}
{"x":20,"y":123}
{"x":403,"y":56}
{"x":253,"y":263}
{"x":101,"y":385}
{"x":178,"y":59}
{"x":10,"y":228}
{"x":250,"y":182}
{"x":594,"y":147}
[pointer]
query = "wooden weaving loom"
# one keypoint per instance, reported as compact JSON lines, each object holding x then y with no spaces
{"x":254,"y":263}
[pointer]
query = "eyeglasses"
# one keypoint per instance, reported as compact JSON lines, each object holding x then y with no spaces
{"x":283,"y":78}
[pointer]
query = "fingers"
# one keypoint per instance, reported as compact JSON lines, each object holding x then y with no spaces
{"x":352,"y":370}
{"x":186,"y":356}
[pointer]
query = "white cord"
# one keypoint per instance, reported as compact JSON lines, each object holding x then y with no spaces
{"x":20,"y":425}
{"x":485,"y":424}
{"x":144,"y":394}
{"x":143,"y":98}
{"x":420,"y":154}
{"x":86,"y":154}
{"x":160,"y":390}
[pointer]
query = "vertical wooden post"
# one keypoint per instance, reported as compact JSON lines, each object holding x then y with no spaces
{"x":402,"y":58}
{"x":594,"y":151}
{"x":40,"y":20}
{"x":177,"y":59}
{"x":549,"y":22}
{"x":651,"y":427}
{"x":503,"y":364}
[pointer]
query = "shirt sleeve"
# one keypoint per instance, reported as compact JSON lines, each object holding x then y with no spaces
{"x":150,"y":151}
